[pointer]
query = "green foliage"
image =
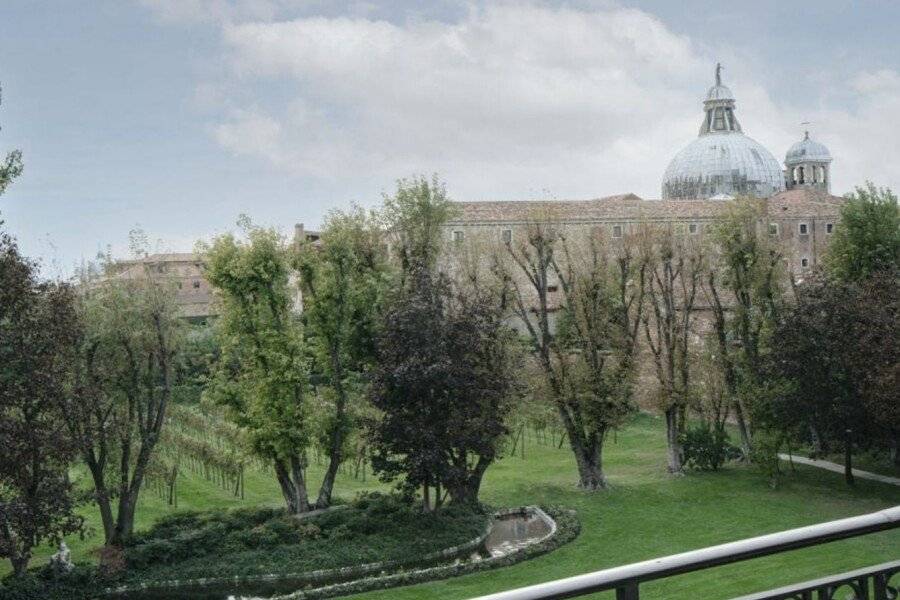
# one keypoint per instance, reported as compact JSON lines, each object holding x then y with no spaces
{"x":867,"y":239}
{"x":125,"y":371}
{"x":41,"y":584}
{"x":764,"y":454}
{"x":11,"y":166}
{"x":262,"y":374}
{"x":344,"y":278}
{"x":374,"y":528}
{"x":444,"y":381}
{"x":39,"y":330}
{"x":415,"y":215}
{"x":707,"y":448}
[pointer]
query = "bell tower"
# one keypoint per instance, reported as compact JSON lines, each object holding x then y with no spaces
{"x":808,"y":164}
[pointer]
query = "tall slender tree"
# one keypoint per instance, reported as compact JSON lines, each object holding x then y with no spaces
{"x":262,"y":376}
{"x":344,"y":278}
{"x":589,"y":366}
{"x":673,"y":284}
{"x":743,"y":287}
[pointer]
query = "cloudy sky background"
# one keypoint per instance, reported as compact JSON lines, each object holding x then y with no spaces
{"x":176,"y":116}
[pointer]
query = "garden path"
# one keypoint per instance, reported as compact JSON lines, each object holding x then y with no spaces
{"x":830,"y":466}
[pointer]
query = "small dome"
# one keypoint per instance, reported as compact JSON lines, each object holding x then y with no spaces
{"x":719,"y":92}
{"x":720,"y":165}
{"x":807,"y":150}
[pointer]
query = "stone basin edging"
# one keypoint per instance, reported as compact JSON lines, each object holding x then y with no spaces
{"x":306,"y":577}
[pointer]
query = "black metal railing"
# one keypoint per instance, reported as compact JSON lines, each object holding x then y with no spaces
{"x":873,"y":583}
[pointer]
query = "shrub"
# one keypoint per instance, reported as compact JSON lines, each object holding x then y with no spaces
{"x":764,"y":455}
{"x":707,"y":448}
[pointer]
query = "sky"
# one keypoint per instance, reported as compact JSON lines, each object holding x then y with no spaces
{"x":177,"y":116}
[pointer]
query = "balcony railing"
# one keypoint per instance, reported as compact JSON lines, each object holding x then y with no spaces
{"x":872,"y":583}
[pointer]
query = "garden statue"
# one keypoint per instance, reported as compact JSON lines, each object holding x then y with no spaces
{"x":61,"y":562}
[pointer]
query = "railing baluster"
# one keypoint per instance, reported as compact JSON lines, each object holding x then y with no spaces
{"x":628,"y":592}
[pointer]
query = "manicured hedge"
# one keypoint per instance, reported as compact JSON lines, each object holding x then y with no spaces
{"x":567,"y":529}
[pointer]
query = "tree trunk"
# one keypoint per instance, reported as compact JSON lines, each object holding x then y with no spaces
{"x":848,"y":459}
{"x":895,"y":448}
{"x":817,"y":448}
{"x":426,"y":497}
{"x":20,"y":563}
{"x":742,"y":428}
{"x":673,"y":445}
{"x":335,"y":458}
{"x":293,"y":485}
{"x":124,"y":519}
{"x":336,"y":448}
{"x":101,"y":495}
{"x":588,"y":458}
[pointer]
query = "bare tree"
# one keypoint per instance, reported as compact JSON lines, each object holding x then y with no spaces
{"x":588,"y":359}
{"x":673,"y":282}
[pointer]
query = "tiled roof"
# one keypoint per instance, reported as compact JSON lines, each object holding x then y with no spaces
{"x":791,"y":203}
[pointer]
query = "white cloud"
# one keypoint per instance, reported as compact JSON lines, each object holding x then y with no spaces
{"x":511,"y":100}
{"x":508,"y":100}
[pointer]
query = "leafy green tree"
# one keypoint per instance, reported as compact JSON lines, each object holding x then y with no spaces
{"x":11,"y":166}
{"x":867,"y":238}
{"x":343,"y":278}
{"x":124,"y":372}
{"x":414,"y":217}
{"x":38,"y":335}
{"x":262,"y":375}
{"x":743,"y":286}
{"x":443,"y":383}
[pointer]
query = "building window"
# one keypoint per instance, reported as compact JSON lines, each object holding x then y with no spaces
{"x":617,"y":231}
{"x":804,"y":262}
{"x":804,"y":229}
{"x":196,"y":284}
{"x":694,"y":228}
{"x":507,"y":235}
{"x":457,"y":236}
{"x":829,"y":227}
{"x":773,"y":228}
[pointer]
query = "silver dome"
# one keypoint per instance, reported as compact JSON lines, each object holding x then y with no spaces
{"x":722,"y":162}
{"x":807,"y":150}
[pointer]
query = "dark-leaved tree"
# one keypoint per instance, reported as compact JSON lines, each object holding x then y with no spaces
{"x":38,"y":334}
{"x":837,"y":349}
{"x":443,"y":381}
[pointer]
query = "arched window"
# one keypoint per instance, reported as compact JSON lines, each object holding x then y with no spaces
{"x":801,"y":178}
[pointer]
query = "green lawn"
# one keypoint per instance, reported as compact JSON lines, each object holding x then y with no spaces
{"x":646,"y":514}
